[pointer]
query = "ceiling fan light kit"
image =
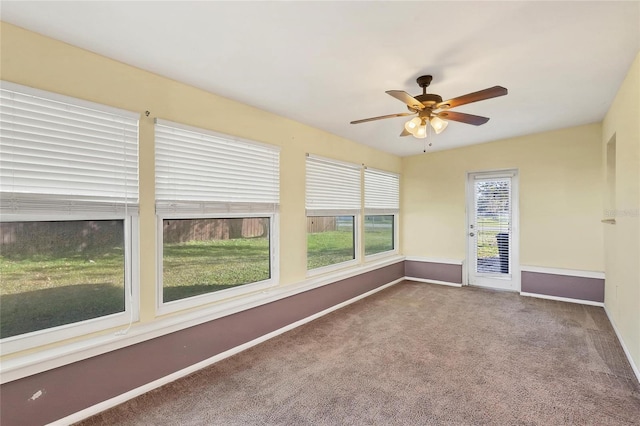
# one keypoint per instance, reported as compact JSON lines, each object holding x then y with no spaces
{"x":429,"y":107}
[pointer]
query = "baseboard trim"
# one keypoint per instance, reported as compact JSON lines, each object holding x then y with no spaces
{"x":560,"y":271}
{"x":562,"y":299}
{"x":426,"y":280}
{"x":110,"y":403}
{"x":634,"y":367}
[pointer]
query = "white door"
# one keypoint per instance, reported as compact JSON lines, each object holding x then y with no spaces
{"x":492,"y":230}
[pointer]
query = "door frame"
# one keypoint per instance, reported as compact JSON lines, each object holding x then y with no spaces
{"x":514,"y":242}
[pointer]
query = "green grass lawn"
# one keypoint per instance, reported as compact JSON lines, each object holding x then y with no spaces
{"x":199,"y":267}
{"x":45,"y":291}
{"x":378,"y":240}
{"x":328,"y":248}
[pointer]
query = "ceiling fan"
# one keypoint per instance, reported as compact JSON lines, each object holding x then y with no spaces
{"x":430,"y":108}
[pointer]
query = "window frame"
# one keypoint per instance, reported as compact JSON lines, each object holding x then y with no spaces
{"x":131,"y":270}
{"x":210,"y":204}
{"x":163,"y":307}
{"x":329,"y":208}
{"x":69,"y":205}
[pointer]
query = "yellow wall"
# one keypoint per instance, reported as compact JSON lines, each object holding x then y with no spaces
{"x":622,"y":240}
{"x":37,"y":61}
{"x":560,"y":172}
{"x":560,"y":197}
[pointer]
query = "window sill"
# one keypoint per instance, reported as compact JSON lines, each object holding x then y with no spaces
{"x":379,"y":256}
{"x":331,"y":268}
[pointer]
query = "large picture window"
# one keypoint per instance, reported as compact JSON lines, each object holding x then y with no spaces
{"x":333,"y":206}
{"x":69,"y":201}
{"x":217,"y":199}
{"x":381,"y":203}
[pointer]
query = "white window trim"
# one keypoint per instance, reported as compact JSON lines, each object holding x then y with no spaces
{"x":396,"y":240}
{"x":163,"y":308}
{"x":131,"y":307}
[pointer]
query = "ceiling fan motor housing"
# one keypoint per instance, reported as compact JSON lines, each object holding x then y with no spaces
{"x":429,"y":99}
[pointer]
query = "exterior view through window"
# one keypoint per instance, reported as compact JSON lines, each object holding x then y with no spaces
{"x":330,"y":240}
{"x":201,"y":256}
{"x":59,"y":272}
{"x":378,"y":234}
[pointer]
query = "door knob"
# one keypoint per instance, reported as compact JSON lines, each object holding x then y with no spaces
{"x":471,"y":234}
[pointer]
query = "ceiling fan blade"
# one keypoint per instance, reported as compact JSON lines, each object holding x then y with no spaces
{"x":405,"y":133}
{"x":364,"y":120}
{"x":492,"y":92}
{"x":406,"y":98}
{"x":476,"y":120}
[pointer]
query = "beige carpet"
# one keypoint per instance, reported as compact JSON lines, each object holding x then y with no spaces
{"x":414,"y":354}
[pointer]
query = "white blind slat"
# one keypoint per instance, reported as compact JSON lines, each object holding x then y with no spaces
{"x":198,"y":171}
{"x":381,"y":192}
{"x":60,"y":154}
{"x":332,"y":187}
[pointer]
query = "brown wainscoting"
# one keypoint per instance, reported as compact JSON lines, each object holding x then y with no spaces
{"x":580,"y":288}
{"x":433,"y":271}
{"x":74,"y":387}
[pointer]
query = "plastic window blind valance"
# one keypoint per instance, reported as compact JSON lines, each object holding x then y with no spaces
{"x":332,"y":188}
{"x":61,"y":155}
{"x":203,"y":172}
{"x":381,"y":192}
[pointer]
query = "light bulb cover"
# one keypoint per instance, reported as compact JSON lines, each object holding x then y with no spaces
{"x":412,"y":125}
{"x":421,"y":132}
{"x":438,"y":124}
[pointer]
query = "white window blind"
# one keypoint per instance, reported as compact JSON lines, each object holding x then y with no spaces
{"x":493,"y":224}
{"x":332,"y":187}
{"x":198,"y":171}
{"x":381,"y":192}
{"x":63,"y":155}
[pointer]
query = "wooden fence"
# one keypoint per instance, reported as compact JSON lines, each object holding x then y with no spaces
{"x":82,"y":234}
{"x":321,"y":224}
{"x":45,"y":237}
{"x":183,"y":230}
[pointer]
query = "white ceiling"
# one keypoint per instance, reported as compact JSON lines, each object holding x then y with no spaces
{"x":328,"y":63}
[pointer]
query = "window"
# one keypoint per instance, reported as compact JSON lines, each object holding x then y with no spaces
{"x":330,"y":240}
{"x":379,"y":235}
{"x":69,"y":201}
{"x":217,"y":200}
{"x":201,"y":256}
{"x":333,"y":205}
{"x":381,"y":203}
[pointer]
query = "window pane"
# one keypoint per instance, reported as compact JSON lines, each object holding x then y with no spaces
{"x":330,"y":240}
{"x":206,"y":255}
{"x":56,"y":273}
{"x":378,"y":234}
